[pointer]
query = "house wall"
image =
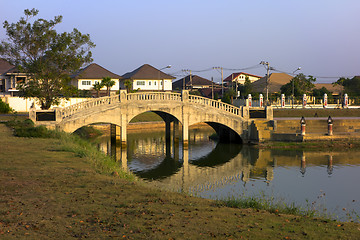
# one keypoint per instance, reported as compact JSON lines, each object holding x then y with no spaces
{"x":87,"y":84}
{"x":23,"y":105}
{"x":152,"y":85}
{"x":241,"y":78}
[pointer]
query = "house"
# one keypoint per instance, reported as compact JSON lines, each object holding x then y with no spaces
{"x":88,"y":76}
{"x":10,"y":77}
{"x":336,"y":90}
{"x":192,"y":82}
{"x":275,"y":82}
{"x":148,"y":78}
{"x":240,"y":78}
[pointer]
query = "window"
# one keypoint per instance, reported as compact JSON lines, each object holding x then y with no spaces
{"x":155,"y":83}
{"x":149,"y":83}
{"x":86,"y":83}
{"x":140,"y":83}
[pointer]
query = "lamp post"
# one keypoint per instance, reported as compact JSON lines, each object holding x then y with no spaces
{"x":163,"y":83}
{"x":292,"y":97}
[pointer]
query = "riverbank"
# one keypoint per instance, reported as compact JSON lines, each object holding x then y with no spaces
{"x":51,"y":193}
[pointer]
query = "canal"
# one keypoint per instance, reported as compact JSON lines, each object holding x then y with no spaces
{"x":325,"y":180}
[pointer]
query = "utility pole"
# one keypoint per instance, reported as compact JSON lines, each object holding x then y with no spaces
{"x":212,"y":88}
{"x":267,"y":79}
{"x":190,"y":78}
{"x":222,"y":79}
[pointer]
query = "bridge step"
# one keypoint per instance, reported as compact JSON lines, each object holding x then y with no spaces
{"x":264,"y":130}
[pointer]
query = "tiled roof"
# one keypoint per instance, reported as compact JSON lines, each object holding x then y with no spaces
{"x":276,"y":80}
{"x":147,"y":71}
{"x":95,"y":71}
{"x":196,"y":81}
{"x":5,"y":66}
{"x":235,"y":75}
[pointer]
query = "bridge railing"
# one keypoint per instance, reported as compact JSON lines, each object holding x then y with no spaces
{"x":154,"y":96}
{"x":215,"y":104}
{"x":71,"y":110}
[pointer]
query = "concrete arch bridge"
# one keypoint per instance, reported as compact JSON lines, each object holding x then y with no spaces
{"x":232,"y":124}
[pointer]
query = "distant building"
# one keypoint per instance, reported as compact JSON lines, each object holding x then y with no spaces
{"x":275,"y":82}
{"x":335,"y":90}
{"x":10,"y":77}
{"x":240,"y":78}
{"x":148,"y":78}
{"x":88,"y":76}
{"x":192,"y":82}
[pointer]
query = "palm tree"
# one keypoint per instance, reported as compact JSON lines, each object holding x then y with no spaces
{"x":108,"y":83}
{"x":97,"y":87}
{"x":128,"y":85}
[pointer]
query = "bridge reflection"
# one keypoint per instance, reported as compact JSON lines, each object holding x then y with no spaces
{"x":206,"y":164}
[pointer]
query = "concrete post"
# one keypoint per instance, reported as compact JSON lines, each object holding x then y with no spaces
{"x":123,"y":96}
{"x":269,"y":113}
{"x":330,"y":126}
{"x":185,"y":95}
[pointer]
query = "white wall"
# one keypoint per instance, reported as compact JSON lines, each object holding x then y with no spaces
{"x":153,"y":85}
{"x":80,"y":86}
{"x":23,"y":105}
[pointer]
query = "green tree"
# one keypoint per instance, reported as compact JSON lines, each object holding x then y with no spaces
{"x":301,"y":83}
{"x":246,"y":88}
{"x":108,"y":83}
{"x":319,"y":93}
{"x":128,"y":84}
{"x":97,"y":87}
{"x":351,"y":86}
{"x":228,"y":96}
{"x":47,"y":57}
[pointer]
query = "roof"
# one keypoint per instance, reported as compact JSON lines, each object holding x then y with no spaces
{"x":276,"y":81}
{"x":196,"y":81}
{"x":147,"y":71}
{"x":95,"y":71}
{"x":5,"y":66}
{"x":235,"y":75}
{"x":334,"y":89}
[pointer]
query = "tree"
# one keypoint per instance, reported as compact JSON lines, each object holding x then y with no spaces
{"x":246,"y":88}
{"x":228,"y":96}
{"x":128,"y":84}
{"x":47,"y":57}
{"x":300,"y":83}
{"x":351,"y":86}
{"x":319,"y":93}
{"x":97,"y":87}
{"x":108,"y":83}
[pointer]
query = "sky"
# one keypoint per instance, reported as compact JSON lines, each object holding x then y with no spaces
{"x":320,"y":36}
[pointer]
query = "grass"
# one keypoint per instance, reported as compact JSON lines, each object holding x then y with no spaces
{"x":58,"y":189}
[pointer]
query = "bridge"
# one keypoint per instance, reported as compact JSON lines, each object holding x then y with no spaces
{"x":231,"y":123}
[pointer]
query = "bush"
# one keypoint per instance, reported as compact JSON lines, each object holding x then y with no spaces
{"x":26,"y":129}
{"x":5,"y":108}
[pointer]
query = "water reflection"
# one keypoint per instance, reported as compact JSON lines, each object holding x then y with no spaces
{"x":216,"y":171}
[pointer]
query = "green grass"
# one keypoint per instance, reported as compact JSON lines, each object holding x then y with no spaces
{"x":147,"y":117}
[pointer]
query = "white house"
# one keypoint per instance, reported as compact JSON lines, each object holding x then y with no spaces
{"x":241,"y":77}
{"x":148,"y":78}
{"x":88,"y":76}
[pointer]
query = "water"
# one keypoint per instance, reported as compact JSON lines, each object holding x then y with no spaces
{"x":327,"y":180}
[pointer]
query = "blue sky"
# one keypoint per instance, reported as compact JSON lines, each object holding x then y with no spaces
{"x":321,"y":36}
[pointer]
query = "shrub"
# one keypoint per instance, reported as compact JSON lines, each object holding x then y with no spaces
{"x":5,"y":108}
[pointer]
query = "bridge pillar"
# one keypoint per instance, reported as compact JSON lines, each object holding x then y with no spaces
{"x":123,"y":130}
{"x":115,"y":132}
{"x":185,"y":134}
